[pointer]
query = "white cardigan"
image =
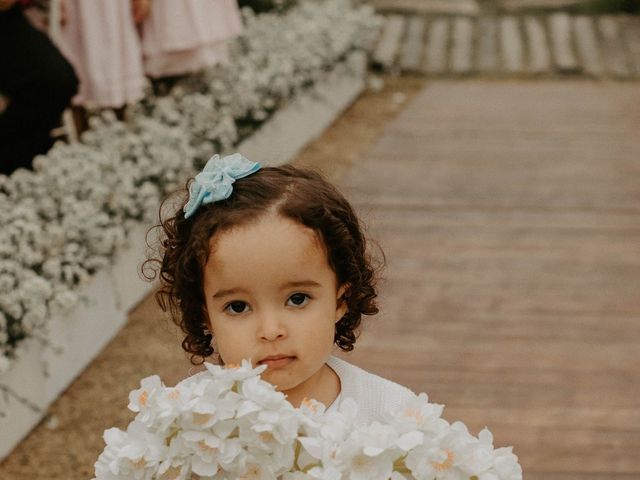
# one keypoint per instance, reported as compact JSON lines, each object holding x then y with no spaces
{"x":373,"y":394}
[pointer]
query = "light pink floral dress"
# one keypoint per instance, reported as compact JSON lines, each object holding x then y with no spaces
{"x":101,"y":41}
{"x":180,"y":37}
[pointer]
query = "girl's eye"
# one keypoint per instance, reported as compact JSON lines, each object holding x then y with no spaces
{"x":298,"y":300}
{"x":236,"y":308}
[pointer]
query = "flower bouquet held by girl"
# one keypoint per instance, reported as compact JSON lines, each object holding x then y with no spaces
{"x":265,"y":269}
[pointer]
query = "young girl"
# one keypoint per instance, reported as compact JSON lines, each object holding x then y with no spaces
{"x":270,"y":264}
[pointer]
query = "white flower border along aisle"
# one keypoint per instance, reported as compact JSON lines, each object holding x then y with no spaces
{"x":72,"y":231}
{"x":228,"y":423}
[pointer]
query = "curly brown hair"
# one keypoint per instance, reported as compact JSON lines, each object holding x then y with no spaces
{"x":299,"y":194}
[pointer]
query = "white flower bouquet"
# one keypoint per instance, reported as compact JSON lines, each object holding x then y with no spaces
{"x":228,"y":423}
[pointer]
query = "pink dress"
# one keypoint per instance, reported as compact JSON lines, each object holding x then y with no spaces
{"x":100,"y":40}
{"x":180,"y":37}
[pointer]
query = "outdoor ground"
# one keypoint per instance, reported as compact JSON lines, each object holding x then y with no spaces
{"x":66,"y":443}
{"x":509,"y":214}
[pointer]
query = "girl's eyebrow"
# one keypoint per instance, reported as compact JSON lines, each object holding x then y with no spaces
{"x":235,"y":291}
{"x":301,"y":283}
{"x":225,"y":293}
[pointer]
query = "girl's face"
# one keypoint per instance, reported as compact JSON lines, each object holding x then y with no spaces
{"x":272,"y":297}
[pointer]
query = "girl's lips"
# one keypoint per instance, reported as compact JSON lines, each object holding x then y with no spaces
{"x":279,"y":362}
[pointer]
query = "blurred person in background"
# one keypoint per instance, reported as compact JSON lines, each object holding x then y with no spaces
{"x":38,"y":83}
{"x":180,"y":38}
{"x":100,"y":39}
{"x":113,"y":44}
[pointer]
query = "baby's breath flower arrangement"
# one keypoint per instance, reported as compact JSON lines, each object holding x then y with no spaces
{"x":65,"y":220}
{"x":228,"y":423}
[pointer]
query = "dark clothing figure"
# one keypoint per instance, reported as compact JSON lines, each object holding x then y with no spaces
{"x":39,"y":83}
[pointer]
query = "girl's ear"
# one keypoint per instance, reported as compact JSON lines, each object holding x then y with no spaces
{"x":341,"y":304}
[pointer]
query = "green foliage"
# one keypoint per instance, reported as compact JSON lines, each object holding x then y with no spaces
{"x":260,"y":6}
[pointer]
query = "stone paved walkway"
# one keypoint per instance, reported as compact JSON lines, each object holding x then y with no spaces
{"x":510,"y":216}
{"x":523,"y":45}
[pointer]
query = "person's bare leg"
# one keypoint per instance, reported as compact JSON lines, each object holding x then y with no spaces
{"x":80,"y":119}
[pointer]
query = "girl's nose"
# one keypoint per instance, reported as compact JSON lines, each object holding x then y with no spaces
{"x":271,"y":327}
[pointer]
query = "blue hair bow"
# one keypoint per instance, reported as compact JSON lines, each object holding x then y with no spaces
{"x":214,"y":182}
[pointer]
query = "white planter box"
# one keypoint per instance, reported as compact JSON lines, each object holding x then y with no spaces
{"x":40,"y":374}
{"x":21,"y":409}
{"x":128,"y":283}
{"x":81,"y":335}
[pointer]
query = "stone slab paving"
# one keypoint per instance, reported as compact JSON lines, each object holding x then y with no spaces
{"x":552,"y":44}
{"x":462,"y":49}
{"x":412,"y":50}
{"x":487,"y":54}
{"x":450,"y":7}
{"x":511,"y":225}
{"x":390,"y":40}
{"x":631,"y":30}
{"x":613,"y":48}
{"x":519,"y":5}
{"x":587,"y":45}
{"x":538,"y":46}
{"x":511,"y":45}
{"x":562,"y":50}
{"x":472,"y":7}
{"x":437,"y":46}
